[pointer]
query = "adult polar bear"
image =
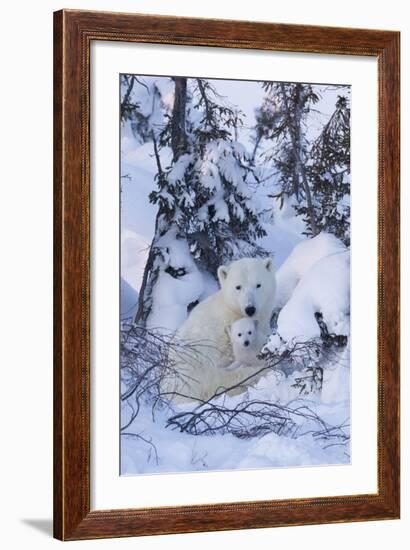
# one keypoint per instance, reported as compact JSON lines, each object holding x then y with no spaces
{"x":247,"y":290}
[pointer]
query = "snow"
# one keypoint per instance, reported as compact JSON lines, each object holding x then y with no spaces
{"x":177,"y":172}
{"x":312,"y":275}
{"x":129,"y":300}
{"x":296,"y":319}
{"x":178,"y":452}
{"x":221,"y":208}
{"x":336,"y":384}
{"x":185,"y":453}
{"x":134,"y":252}
{"x":209,"y":174}
{"x":137,"y":213}
{"x":171,"y":295}
{"x":302,"y":258}
{"x":182,"y":452}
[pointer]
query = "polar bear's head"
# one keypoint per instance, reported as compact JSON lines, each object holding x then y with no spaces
{"x":248,"y":286}
{"x":243,"y":332}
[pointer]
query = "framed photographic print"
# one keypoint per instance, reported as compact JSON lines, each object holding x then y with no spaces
{"x":226,"y":275}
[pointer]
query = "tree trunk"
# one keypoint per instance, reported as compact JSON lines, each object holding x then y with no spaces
{"x":127,"y":96}
{"x":178,"y":145}
{"x":145,"y":293}
{"x":178,"y":122}
{"x":309,"y":202}
{"x":300,"y":177}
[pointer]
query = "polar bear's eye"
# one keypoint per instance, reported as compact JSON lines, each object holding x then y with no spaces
{"x":250,"y":332}
{"x":239,"y":334}
{"x":258,"y":285}
{"x":238,"y":287}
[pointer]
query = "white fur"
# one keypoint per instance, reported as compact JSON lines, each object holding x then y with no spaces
{"x":247,"y":342}
{"x":205,"y":329}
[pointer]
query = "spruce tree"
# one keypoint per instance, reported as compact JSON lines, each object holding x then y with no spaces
{"x":140,"y":103}
{"x":203,"y":196}
{"x":329,"y":173}
{"x":282,"y":121}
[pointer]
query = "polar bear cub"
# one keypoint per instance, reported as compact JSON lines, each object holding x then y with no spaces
{"x":247,"y":342}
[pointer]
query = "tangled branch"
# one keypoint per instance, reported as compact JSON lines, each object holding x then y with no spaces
{"x":255,"y":417}
{"x":246,"y":419}
{"x":146,"y":360}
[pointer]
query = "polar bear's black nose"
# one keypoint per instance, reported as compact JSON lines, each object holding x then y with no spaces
{"x":246,"y":343}
{"x":250,"y":310}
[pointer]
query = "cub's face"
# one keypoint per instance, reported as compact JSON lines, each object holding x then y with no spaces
{"x":248,"y":285}
{"x":243,"y":332}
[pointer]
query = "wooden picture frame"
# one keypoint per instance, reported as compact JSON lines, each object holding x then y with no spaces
{"x":74,"y":32}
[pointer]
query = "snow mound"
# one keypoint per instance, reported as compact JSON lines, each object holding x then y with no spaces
{"x":300,"y":260}
{"x":173,"y":294}
{"x":325,"y":287}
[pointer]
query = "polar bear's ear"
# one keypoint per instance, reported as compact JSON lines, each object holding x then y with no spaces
{"x":268,"y":264}
{"x":222,"y":273}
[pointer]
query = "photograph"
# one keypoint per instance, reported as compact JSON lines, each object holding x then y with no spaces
{"x":235,"y":274}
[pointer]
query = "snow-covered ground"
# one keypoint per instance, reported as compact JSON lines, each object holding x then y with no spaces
{"x":176,"y":452}
{"x":312,"y":275}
